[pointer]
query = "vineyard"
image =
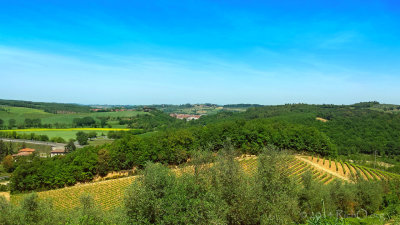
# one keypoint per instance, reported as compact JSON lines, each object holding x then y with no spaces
{"x":324,"y":170}
{"x":109,"y":194}
{"x":295,"y":168}
{"x":348,"y":170}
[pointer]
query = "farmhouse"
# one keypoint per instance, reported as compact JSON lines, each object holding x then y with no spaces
{"x":57,"y":151}
{"x":24,"y":152}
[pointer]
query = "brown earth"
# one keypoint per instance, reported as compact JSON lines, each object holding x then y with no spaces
{"x":321,"y":119}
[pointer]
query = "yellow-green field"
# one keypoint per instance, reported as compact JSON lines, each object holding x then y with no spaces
{"x":107,"y":194}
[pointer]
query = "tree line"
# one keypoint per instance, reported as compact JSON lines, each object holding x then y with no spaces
{"x":46,"y":106}
{"x":352,"y":128}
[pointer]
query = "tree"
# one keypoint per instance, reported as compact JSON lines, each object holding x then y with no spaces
{"x":4,"y":150}
{"x":92,"y":134}
{"x":8,"y":163}
{"x":1,"y":123}
{"x":82,"y":138}
{"x":11,"y":123}
{"x":102,"y":162}
{"x":28,"y":122}
{"x":70,"y":147}
{"x":103,"y":121}
{"x":86,"y":121}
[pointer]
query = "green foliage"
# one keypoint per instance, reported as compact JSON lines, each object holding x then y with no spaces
{"x":82,"y":138}
{"x":160,"y":197}
{"x":353,"y":129}
{"x":4,"y":150}
{"x":84,"y":122}
{"x":70,"y":147}
{"x":336,"y":166}
{"x":8,"y":163}
{"x":102,"y":162}
{"x":155,"y":120}
{"x":34,"y":173}
{"x":47,"y":107}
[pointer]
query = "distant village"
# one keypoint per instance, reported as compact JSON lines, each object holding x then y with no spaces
{"x":187,"y":117}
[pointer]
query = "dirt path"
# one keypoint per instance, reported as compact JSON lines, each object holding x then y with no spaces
{"x":52,"y":144}
{"x":322,"y":168}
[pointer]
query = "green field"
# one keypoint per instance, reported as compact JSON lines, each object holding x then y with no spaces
{"x":20,"y":114}
{"x":67,"y":134}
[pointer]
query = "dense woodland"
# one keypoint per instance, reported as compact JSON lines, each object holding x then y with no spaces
{"x":353,"y":129}
{"x":47,"y":107}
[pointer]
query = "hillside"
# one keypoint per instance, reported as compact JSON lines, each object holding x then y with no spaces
{"x":234,"y":183}
{"x":66,"y":120}
{"x":46,"y":106}
{"x":109,"y":194}
{"x":358,"y":128}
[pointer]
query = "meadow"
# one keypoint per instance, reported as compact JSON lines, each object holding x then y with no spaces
{"x":19,"y":114}
{"x":67,"y":133}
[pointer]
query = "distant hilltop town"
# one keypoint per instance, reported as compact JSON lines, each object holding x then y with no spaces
{"x":188,"y":117}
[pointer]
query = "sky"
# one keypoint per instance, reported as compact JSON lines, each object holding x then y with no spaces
{"x":223,"y":52}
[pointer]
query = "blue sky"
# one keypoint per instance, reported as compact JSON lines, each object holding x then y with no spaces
{"x":150,"y":52}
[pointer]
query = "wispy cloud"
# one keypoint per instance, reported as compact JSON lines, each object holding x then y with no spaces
{"x":135,"y":79}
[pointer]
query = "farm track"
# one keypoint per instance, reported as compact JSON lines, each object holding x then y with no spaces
{"x":52,"y":144}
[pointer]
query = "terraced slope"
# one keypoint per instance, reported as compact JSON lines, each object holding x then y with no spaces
{"x":348,"y":170}
{"x":109,"y":194}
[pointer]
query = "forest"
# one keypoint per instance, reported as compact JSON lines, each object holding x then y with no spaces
{"x":47,"y":107}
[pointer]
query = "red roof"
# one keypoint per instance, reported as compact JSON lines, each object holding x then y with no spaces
{"x":58,"y":151}
{"x":27,"y":150}
{"x":22,"y":154}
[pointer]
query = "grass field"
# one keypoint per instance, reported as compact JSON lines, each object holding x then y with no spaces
{"x":67,"y":133}
{"x":20,"y":114}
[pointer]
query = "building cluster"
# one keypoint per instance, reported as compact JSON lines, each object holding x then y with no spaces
{"x":187,"y":117}
{"x":29,"y":151}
